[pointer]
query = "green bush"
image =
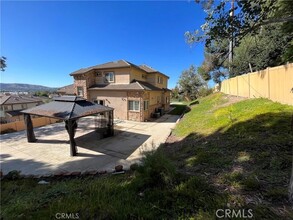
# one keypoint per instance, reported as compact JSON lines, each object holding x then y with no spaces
{"x":156,"y":171}
{"x":13,"y":175}
{"x":203,"y":91}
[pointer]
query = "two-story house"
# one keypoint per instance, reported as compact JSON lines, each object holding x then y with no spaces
{"x":135,"y":92}
{"x":11,"y":105}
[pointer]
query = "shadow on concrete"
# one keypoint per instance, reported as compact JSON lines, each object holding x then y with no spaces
{"x":121,"y":145}
{"x":51,"y":141}
{"x":93,"y":152}
{"x":25,"y":166}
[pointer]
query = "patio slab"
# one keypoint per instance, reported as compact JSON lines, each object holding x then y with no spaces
{"x":51,"y":152}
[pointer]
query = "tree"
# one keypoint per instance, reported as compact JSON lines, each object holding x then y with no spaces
{"x":261,"y":51}
{"x":260,"y":32}
{"x":3,"y":63}
{"x":214,"y":65}
{"x":248,"y":17}
{"x":190,"y":82}
{"x":175,"y":93}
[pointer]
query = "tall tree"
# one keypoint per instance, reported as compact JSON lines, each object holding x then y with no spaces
{"x":214,"y":65}
{"x":260,"y":51}
{"x":261,"y":20}
{"x":190,"y":82}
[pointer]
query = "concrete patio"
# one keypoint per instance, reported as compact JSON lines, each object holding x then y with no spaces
{"x":50,"y":154}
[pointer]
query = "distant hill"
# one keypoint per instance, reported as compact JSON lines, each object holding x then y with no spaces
{"x":19,"y":87}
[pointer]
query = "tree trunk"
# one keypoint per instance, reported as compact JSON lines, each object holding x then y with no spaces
{"x":29,"y":128}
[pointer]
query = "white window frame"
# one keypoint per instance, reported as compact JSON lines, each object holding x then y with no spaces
{"x":160,"y":79}
{"x":135,"y":106}
{"x":146,"y":105}
{"x":110,"y":76}
{"x":80,"y":88}
{"x":99,"y":101}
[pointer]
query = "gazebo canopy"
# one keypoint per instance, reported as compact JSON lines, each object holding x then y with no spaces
{"x":67,"y":108}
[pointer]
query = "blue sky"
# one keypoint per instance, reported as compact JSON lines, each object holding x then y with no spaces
{"x":44,"y":41}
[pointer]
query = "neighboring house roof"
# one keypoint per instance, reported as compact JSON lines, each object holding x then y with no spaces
{"x":3,"y":99}
{"x":14,"y":113}
{"x":134,"y":85}
{"x":149,"y":69}
{"x":68,"y":90}
{"x":67,"y":107}
{"x":18,"y":99}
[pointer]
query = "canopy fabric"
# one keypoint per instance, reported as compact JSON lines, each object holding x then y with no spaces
{"x":67,"y":108}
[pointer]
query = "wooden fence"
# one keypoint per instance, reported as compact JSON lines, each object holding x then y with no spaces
{"x":273,"y":83}
{"x":19,"y":125}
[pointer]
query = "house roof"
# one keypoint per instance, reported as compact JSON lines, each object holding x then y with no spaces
{"x":117,"y":64}
{"x":149,"y":69}
{"x":109,"y":65}
{"x":134,"y":85}
{"x":69,"y":89}
{"x":14,"y":113}
{"x":18,"y":99}
{"x":67,"y":107}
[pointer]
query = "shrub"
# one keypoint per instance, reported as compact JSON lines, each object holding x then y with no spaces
{"x":203,"y":91}
{"x":156,"y":171}
{"x":13,"y":175}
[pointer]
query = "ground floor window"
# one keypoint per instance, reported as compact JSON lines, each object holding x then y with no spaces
{"x":80,"y":91}
{"x":167,"y":99}
{"x":133,"y":105}
{"x":145,"y":105}
{"x":100,"y":102}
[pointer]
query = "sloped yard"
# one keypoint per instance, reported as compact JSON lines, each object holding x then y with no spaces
{"x":219,"y":156}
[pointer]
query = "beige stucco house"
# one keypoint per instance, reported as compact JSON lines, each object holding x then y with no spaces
{"x":135,"y":92}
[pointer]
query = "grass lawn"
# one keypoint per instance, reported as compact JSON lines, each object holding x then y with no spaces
{"x":178,"y":109}
{"x":220,"y":156}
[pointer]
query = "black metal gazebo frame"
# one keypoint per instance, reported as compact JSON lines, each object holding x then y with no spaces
{"x":68,"y":109}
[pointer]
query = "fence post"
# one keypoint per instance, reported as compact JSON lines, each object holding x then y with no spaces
{"x":237,"y":81}
{"x":248,"y":85}
{"x":269,"y":81}
{"x":15,"y":125}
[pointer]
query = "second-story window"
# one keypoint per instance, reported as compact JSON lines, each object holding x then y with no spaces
{"x":109,"y":76}
{"x":160,"y":80}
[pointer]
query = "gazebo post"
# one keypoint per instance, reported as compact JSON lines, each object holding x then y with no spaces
{"x":29,"y":128}
{"x":70,"y":126}
{"x":110,"y":125}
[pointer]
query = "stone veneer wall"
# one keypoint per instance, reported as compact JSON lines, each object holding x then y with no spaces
{"x":133,"y":115}
{"x":85,"y":81}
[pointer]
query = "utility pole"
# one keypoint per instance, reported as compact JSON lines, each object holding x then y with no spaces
{"x":232,"y":38}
